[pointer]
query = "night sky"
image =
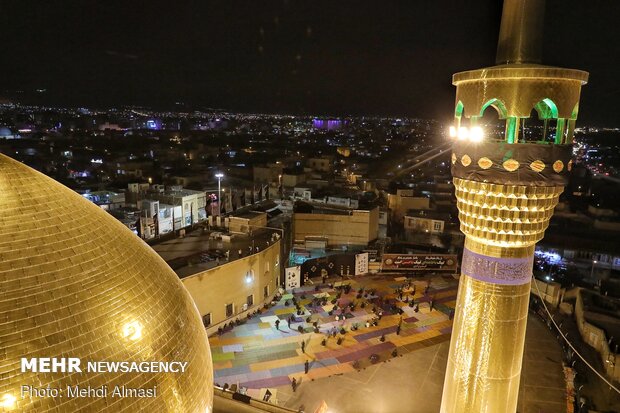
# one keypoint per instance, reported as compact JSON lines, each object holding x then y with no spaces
{"x":320,"y":57}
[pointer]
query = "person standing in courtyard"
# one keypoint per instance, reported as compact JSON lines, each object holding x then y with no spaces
{"x":306,"y":366}
{"x":303,"y":346}
{"x":277,"y":324}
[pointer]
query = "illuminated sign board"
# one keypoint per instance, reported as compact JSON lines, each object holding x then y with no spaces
{"x":419,"y":262}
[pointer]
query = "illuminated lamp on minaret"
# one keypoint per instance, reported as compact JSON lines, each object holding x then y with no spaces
{"x":506,"y":192}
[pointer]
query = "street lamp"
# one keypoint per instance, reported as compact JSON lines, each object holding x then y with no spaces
{"x":219,"y":177}
{"x":592,"y":271}
{"x":280,"y":190}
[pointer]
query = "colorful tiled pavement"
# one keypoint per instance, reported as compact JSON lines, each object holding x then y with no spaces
{"x":256,"y":355}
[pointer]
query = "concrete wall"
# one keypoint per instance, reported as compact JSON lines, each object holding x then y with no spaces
{"x":359,"y":228}
{"x":290,"y":181}
{"x":550,"y":292}
{"x":213,"y":289}
{"x":245,"y":225}
{"x":607,"y":225}
{"x":596,"y":338}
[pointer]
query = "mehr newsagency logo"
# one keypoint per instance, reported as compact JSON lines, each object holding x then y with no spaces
{"x":75,"y":365}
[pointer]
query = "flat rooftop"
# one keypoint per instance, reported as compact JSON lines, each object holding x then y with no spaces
{"x":202,"y":250}
{"x":248,"y":214}
{"x":306,"y":207}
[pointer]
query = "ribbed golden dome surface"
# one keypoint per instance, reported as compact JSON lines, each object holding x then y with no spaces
{"x":75,"y":282}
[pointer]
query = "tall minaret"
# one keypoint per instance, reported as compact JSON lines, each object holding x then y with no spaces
{"x":506,"y":191}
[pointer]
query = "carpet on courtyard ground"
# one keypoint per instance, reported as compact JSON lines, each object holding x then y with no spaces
{"x":257,"y":355}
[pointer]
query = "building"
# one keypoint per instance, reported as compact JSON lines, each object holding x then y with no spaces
{"x":426,"y":221}
{"x":94,"y":291}
{"x":506,"y":192}
{"x":324,"y":164}
{"x":324,"y":197}
{"x":404,"y":200}
{"x":247,"y":221}
{"x":187,"y":207}
{"x":107,"y":200}
{"x":270,"y":173}
{"x":339,"y":226}
{"x":231,"y":290}
{"x":292,"y":179}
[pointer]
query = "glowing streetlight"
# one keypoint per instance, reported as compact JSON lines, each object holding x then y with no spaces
{"x":219,"y":177}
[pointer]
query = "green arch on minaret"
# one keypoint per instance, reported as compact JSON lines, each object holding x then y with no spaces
{"x":573,"y":115}
{"x":498,"y":105}
{"x":546,"y":109}
{"x":458,"y":111}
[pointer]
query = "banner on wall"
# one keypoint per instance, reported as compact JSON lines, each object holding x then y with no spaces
{"x":419,"y":262}
{"x":361,"y":263}
{"x":293,"y":277}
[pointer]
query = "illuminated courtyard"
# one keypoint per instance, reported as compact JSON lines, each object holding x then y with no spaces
{"x":258,"y":356}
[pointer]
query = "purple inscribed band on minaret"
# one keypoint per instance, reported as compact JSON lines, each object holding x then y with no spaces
{"x":506,"y":271}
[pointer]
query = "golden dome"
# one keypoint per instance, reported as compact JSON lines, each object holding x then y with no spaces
{"x":75,"y":282}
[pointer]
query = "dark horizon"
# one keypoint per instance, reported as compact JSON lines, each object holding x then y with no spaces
{"x":286,"y":57}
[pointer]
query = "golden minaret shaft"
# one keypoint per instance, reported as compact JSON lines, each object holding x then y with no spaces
{"x":506,"y":192}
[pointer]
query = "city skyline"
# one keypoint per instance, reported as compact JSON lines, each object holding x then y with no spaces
{"x":282,"y":57}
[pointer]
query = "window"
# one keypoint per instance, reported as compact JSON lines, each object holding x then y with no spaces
{"x":250,"y":300}
{"x":206,"y":320}
{"x":266,"y":291}
{"x":229,"y":310}
{"x":277,"y":261}
{"x":437,"y":226}
{"x":267,"y":266}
